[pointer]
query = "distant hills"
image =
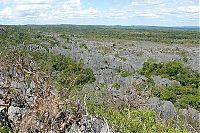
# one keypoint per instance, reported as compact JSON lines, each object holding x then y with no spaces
{"x":135,"y":27}
{"x":117,"y":26}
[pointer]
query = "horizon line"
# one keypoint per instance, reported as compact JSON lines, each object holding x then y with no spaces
{"x":105,"y":25}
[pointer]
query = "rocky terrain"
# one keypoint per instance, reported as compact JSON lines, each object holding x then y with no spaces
{"x":106,"y":57}
{"x":33,"y":106}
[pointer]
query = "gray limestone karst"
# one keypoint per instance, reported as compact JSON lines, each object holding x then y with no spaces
{"x":164,"y":109}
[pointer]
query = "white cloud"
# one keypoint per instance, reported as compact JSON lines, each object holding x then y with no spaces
{"x":148,"y":15}
{"x":64,"y":10}
{"x":4,"y":1}
{"x":6,"y":13}
{"x":165,"y":8}
{"x":50,"y":9}
{"x":189,"y":9}
{"x":32,"y":1}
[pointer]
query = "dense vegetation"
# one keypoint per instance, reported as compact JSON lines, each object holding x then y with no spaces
{"x":184,"y":94}
{"x":164,"y":35}
{"x":64,"y":71}
{"x":5,"y":130}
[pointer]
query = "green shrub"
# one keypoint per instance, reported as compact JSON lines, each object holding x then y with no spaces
{"x":191,"y":100}
{"x":173,"y":70}
{"x":168,"y":95}
{"x":182,"y":95}
{"x":4,"y":129}
{"x":69,"y":74}
{"x":116,"y":85}
{"x":132,"y":120}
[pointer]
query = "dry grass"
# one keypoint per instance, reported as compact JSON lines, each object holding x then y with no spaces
{"x":48,"y":112}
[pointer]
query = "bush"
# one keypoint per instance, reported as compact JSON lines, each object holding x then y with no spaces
{"x":129,"y":120}
{"x":173,"y":70}
{"x":116,"y":85}
{"x":182,"y":95}
{"x":5,"y":130}
{"x":168,"y":95}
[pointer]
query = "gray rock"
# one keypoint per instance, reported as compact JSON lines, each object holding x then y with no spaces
{"x":98,"y":125}
{"x":190,"y":112}
{"x":14,"y":113}
{"x":114,"y":92}
{"x":161,"y":81}
{"x":194,"y":114}
{"x":153,"y":102}
{"x":166,"y":111}
{"x":3,"y":116}
{"x":1,"y":109}
{"x":73,"y":129}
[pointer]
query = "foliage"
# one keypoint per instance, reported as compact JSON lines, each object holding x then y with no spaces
{"x":129,"y":120}
{"x":33,"y":35}
{"x":183,"y":95}
{"x":173,"y":70}
{"x":5,"y":130}
{"x":116,"y":85}
{"x":66,"y":72}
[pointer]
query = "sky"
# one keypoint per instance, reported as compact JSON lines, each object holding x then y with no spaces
{"x":101,"y":12}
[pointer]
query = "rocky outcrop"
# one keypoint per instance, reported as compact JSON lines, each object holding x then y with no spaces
{"x":89,"y":124}
{"x":159,"y":81}
{"x":164,"y":109}
{"x":192,"y":116}
{"x":103,"y":58}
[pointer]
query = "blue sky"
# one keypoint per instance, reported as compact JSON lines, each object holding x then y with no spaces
{"x":101,"y":12}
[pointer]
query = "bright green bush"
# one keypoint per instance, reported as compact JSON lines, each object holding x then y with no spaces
{"x":5,"y":130}
{"x":183,"y":95}
{"x":116,"y":85}
{"x":168,"y":95}
{"x":69,"y":74}
{"x":132,"y":120}
{"x":173,"y":70}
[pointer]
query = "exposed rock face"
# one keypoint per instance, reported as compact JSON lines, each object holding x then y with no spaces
{"x":154,"y":102}
{"x":162,"y":81}
{"x":103,"y":59}
{"x":192,"y":113}
{"x":89,"y":124}
{"x":15,"y":113}
{"x":130,"y":57}
{"x":167,"y":111}
{"x":164,"y":109}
